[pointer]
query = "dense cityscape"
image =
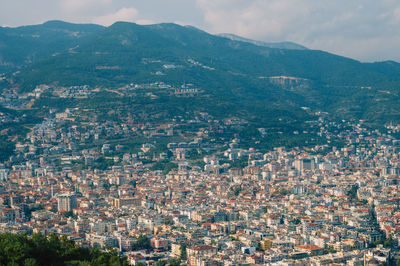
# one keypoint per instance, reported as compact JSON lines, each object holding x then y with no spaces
{"x":199,"y":133}
{"x":204,"y":201}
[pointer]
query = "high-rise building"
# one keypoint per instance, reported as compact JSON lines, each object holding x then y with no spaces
{"x":304,"y":164}
{"x":66,"y":202}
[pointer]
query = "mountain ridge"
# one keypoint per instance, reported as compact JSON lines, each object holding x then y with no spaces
{"x":278,"y":45}
{"x":229,"y":71}
{"x":23,"y":45}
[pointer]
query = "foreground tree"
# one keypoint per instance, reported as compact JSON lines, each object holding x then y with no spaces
{"x":52,"y":250}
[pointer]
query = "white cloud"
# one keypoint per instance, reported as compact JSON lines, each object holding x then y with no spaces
{"x":124,"y":14}
{"x":357,"y":28}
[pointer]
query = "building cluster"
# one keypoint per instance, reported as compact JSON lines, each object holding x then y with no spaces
{"x":7,"y":118}
{"x":315,"y":206}
{"x":76,"y":92}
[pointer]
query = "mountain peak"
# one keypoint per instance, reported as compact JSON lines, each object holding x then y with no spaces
{"x":59,"y":24}
{"x":56,"y":23}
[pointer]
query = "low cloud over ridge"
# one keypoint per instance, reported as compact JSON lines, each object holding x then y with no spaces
{"x":353,"y":28}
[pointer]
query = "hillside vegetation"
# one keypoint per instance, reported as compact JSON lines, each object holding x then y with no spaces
{"x":236,"y":78}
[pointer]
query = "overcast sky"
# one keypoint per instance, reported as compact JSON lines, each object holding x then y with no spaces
{"x":368,"y":30}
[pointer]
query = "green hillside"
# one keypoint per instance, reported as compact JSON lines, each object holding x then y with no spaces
{"x":24,"y":45}
{"x":124,"y":46}
{"x":232,"y":74}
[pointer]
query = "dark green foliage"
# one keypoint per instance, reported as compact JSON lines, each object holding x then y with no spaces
{"x":240,"y":163}
{"x":353,"y":192}
{"x":183,"y":255}
{"x":281,"y":192}
{"x":296,"y":221}
{"x":51,"y":250}
{"x":331,"y":250}
{"x":103,"y":163}
{"x":200,"y":164}
{"x":12,"y":132}
{"x":142,"y":243}
{"x":389,"y":242}
{"x":258,"y":247}
{"x":164,"y":166}
{"x":27,"y":44}
{"x":194,"y":154}
{"x":174,"y":262}
{"x":237,"y":191}
{"x":6,"y":148}
{"x":8,"y":140}
{"x":161,"y":263}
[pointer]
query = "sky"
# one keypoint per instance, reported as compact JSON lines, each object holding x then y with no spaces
{"x":367,"y":30}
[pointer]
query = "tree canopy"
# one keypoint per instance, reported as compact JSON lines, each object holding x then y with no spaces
{"x":20,"y":249}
